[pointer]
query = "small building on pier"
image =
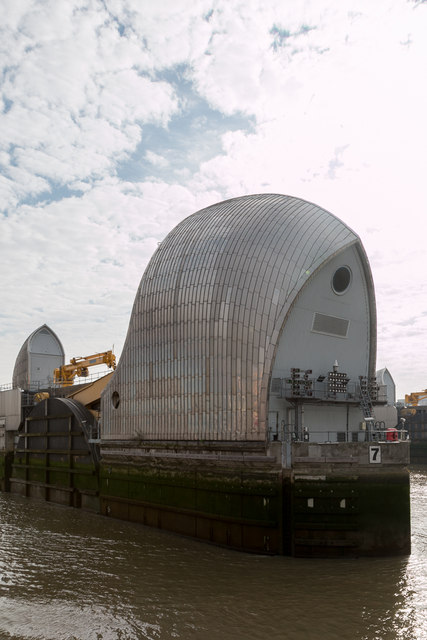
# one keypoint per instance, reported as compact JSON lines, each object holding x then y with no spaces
{"x":40,"y":354}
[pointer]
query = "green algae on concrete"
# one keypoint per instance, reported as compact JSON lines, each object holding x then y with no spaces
{"x":225,"y":506}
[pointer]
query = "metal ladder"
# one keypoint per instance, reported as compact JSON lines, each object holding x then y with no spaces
{"x":365,"y":400}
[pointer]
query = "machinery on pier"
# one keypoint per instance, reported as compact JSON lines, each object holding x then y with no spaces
{"x":79,"y":367}
{"x":416,"y":398}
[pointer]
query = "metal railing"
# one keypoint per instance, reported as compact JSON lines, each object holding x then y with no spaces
{"x":313,"y":391}
{"x":45,"y":385}
{"x":376,"y":433}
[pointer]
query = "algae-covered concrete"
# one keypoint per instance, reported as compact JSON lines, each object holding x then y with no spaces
{"x":331,"y":502}
{"x":351,"y":499}
{"x":229,"y":496}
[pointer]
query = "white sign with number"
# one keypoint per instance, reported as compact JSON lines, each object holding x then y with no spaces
{"x":375,"y":454}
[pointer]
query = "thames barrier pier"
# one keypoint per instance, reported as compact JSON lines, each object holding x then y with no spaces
{"x":242,"y":409}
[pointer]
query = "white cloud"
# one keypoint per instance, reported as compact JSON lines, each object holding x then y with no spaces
{"x":337,"y":109}
{"x":156,"y":159}
{"x":127,"y":97}
{"x":76,"y":264}
{"x":70,"y":111}
{"x":174,"y":32}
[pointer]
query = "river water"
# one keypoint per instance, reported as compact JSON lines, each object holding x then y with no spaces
{"x":70,"y":575}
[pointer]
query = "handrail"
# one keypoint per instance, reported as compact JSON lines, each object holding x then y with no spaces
{"x":372,"y":434}
{"x":45,"y":385}
{"x":319,"y":391}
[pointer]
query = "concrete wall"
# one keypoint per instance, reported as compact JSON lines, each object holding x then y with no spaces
{"x":333,"y":500}
{"x":350,"y":499}
{"x":349,"y":455}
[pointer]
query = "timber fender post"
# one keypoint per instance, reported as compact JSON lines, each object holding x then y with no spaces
{"x":6,"y":460}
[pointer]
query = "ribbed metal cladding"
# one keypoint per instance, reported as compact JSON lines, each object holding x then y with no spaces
{"x":207,"y":317}
{"x":21,"y":370}
{"x":20,"y":376}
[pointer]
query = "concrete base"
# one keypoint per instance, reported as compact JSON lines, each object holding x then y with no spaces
{"x":350,"y":499}
{"x":221,"y":494}
{"x":342,"y":499}
{"x":351,"y":515}
{"x":332,"y":501}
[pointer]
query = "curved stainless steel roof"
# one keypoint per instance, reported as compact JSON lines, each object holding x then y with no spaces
{"x":21,"y":371}
{"x":208,"y":314}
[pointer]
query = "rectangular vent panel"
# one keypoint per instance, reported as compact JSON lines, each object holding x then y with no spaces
{"x":330,"y":325}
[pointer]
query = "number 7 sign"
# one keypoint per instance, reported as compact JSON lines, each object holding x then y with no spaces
{"x":375,"y":454}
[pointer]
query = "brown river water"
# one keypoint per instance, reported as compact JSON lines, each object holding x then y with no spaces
{"x":69,"y":575}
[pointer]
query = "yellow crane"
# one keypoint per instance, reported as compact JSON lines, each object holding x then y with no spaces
{"x":80,"y":367}
{"x":413,"y":398}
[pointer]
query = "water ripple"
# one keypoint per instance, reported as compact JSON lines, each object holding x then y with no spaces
{"x":70,"y":575}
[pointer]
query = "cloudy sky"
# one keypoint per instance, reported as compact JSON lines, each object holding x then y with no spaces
{"x":119,"y":118}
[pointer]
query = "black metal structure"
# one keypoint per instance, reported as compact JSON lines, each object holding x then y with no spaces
{"x":55,"y":458}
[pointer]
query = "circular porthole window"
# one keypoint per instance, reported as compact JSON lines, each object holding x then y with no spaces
{"x":115,"y":399}
{"x":341,"y":280}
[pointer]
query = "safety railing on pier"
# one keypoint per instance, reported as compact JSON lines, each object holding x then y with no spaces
{"x":311,"y":390}
{"x":46,"y":385}
{"x":375,"y":433}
